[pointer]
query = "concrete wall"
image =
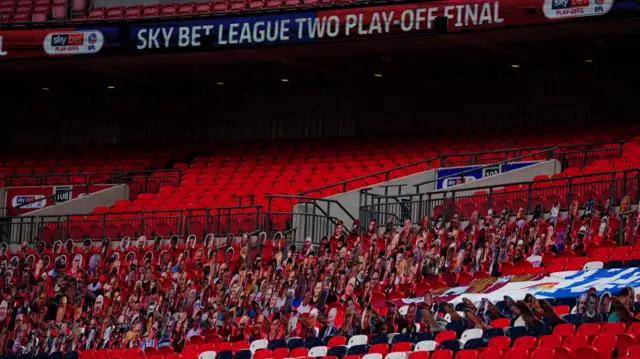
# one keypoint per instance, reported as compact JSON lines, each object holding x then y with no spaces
{"x":85,"y":204}
{"x":308,"y":224}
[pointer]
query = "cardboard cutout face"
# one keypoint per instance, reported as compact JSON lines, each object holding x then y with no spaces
{"x":124,"y":244}
{"x":173,"y":242}
{"x":589,"y":207}
{"x":141,"y":243}
{"x":164,"y":257}
{"x":40,"y":247}
{"x":624,"y":204}
{"x":14,"y":261}
{"x":68,"y":245}
{"x":604,"y":226}
{"x":229,"y":255}
{"x":198,"y":256}
{"x":31,"y":259}
{"x":277,"y":240}
{"x":131,"y":257}
{"x":46,"y":260}
{"x":57,"y":247}
{"x":555,"y":210}
{"x":230,"y":239}
{"x":209,"y":241}
{"x":87,"y":244}
{"x":94,"y":263}
{"x":61,"y":261}
{"x":148,"y":257}
{"x":157,"y":243}
{"x":76,"y":263}
{"x":191,"y":241}
{"x":105,"y":246}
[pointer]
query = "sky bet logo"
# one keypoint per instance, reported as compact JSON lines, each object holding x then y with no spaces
{"x":67,"y":40}
{"x":569,"y":4}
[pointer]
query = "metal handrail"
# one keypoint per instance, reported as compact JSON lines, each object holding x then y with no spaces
{"x":117,"y":175}
{"x":489,"y":188}
{"x":607,"y":184}
{"x":442,"y":158}
{"x":312,"y":199}
{"x":385,"y":172}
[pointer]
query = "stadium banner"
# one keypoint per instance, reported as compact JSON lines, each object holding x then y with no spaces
{"x":259,"y":29}
{"x":475,"y":173}
{"x":569,"y":284}
{"x":15,"y":196}
{"x":41,"y":197}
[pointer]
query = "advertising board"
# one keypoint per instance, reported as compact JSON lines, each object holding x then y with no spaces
{"x":22,"y":200}
{"x":475,"y":173}
{"x":251,"y":29}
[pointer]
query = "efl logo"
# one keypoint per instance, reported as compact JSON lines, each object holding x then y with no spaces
{"x":32,"y":201}
{"x":74,"y":43}
{"x":566,"y":9}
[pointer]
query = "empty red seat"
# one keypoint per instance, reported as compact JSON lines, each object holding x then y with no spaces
{"x":169,"y":10}
{"x":97,"y":13}
{"x":133,"y":11}
{"x":187,"y":8}
{"x":114,"y":13}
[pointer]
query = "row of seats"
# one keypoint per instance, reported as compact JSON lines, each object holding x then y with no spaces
{"x":220,"y":180}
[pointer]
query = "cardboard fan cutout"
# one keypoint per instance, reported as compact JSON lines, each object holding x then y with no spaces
{"x":191,"y":241}
{"x":141,"y":243}
{"x":124,"y":244}
{"x":209,"y":241}
{"x":588,"y":210}
{"x":262,"y":238}
{"x":230,"y":239}
{"x":157,"y":243}
{"x":148,"y":257}
{"x":277,"y":240}
{"x":94,"y":263}
{"x":57,"y":247}
{"x":31,"y":259}
{"x":68,"y":246}
{"x":46,"y":260}
{"x":40,"y":247}
{"x":553,"y":214}
{"x":105,"y":246}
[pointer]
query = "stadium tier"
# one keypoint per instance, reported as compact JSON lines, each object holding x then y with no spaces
{"x":426,"y":190}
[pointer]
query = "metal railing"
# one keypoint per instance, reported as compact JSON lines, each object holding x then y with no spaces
{"x":317,"y":216}
{"x":577,"y":155}
{"x":310,"y":216}
{"x":60,"y":179}
{"x":117,"y":225}
{"x":564,"y":191}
